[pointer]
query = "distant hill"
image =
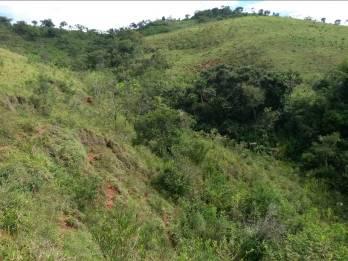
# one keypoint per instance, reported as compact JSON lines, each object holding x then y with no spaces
{"x":310,"y":47}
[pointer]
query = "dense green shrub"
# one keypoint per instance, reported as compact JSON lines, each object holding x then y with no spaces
{"x":172,"y":181}
{"x":259,"y":202}
{"x":115,"y":230}
{"x":193,"y":147}
{"x":85,"y":190}
{"x":239,"y":101}
{"x":202,"y":221}
{"x":160,"y":129}
{"x":218,"y":14}
{"x":217,"y":189}
{"x":317,"y":128}
{"x":25,"y":30}
{"x":117,"y":49}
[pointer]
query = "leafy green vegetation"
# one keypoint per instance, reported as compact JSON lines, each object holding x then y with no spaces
{"x":218,"y":137}
{"x":239,"y":102}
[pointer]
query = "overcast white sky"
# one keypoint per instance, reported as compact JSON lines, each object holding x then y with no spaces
{"x":104,"y":15}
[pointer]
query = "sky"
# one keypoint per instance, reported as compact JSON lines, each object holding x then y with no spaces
{"x":103,"y":15}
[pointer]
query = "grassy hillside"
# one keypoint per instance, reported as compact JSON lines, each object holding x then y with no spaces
{"x":58,"y":165}
{"x":277,"y":42}
{"x":72,"y":186}
{"x":75,"y":184}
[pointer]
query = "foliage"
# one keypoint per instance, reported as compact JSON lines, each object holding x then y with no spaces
{"x":218,"y":13}
{"x":192,"y":147}
{"x":238,"y":101}
{"x":320,"y":128}
{"x":113,"y":230}
{"x":74,"y":104}
{"x":160,"y":129}
{"x":172,"y":181}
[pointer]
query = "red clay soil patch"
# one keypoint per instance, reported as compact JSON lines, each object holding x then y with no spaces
{"x":111,"y":192}
{"x":91,"y":157}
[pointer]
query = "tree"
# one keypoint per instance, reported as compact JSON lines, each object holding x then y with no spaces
{"x":327,"y":158}
{"x":234,"y":99}
{"x":323,"y":20}
{"x":324,"y":151}
{"x":267,"y":12}
{"x":47,"y":23}
{"x":172,"y":181}
{"x":34,"y":22}
{"x":62,"y":24}
{"x":316,"y":126}
{"x":337,"y":22}
{"x":20,"y":27}
{"x":260,"y":12}
{"x":187,"y":16}
{"x":81,"y":27}
{"x":238,"y":10}
{"x":133,"y":26}
{"x":23,"y":29}
{"x":4,"y":20}
{"x":159,"y":129}
{"x":215,"y":13}
{"x":143,"y":23}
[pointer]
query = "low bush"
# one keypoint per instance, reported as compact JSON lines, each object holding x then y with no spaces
{"x":172,"y":182}
{"x":159,"y":129}
{"x":85,"y":190}
{"x":192,"y":147}
{"x":122,"y":236}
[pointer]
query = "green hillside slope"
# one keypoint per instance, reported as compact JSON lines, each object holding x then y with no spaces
{"x":281,"y":43}
{"x":95,"y":166}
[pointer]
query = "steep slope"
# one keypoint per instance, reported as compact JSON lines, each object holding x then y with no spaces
{"x":73,"y":186}
{"x":57,"y":166}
